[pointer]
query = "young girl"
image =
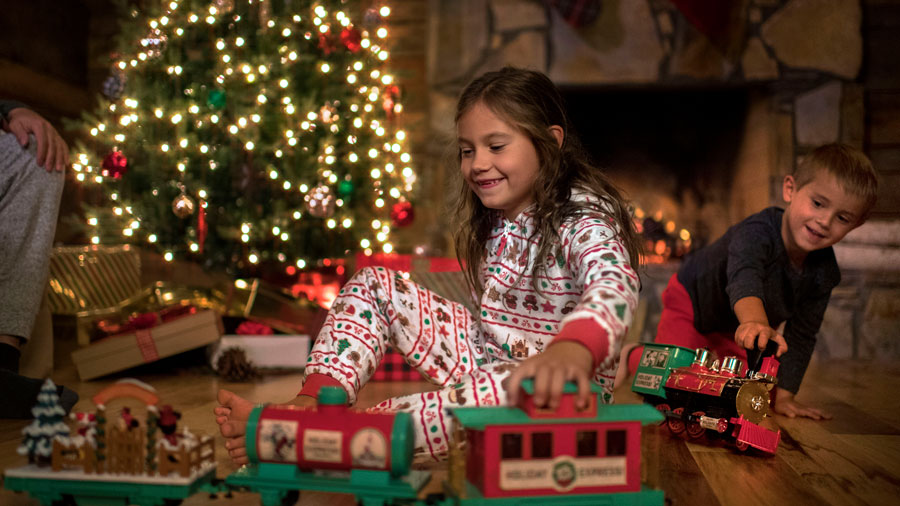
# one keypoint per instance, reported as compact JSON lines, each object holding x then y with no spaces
{"x":549,"y":249}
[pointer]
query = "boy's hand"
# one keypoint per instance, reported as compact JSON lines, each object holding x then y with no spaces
{"x":787,"y":406}
{"x":560,"y":362}
{"x":755,"y":335}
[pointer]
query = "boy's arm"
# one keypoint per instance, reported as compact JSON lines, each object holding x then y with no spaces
{"x":754,"y":330}
{"x":801,"y":331}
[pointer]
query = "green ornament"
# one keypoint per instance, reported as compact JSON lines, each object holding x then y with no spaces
{"x":345,"y":188}
{"x":216,"y":99}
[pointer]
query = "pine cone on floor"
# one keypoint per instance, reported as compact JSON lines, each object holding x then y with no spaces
{"x":234,"y":366}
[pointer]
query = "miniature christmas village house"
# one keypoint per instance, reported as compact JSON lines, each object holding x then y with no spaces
{"x":116,"y":458}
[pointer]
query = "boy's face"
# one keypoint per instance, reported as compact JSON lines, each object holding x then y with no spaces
{"x":818,"y":214}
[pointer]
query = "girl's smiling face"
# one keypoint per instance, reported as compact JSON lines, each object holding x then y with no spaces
{"x":498,"y":161}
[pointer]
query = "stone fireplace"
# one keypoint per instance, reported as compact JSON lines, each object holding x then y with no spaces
{"x":713,"y":108}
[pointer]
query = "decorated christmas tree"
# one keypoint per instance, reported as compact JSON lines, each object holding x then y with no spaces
{"x":49,"y":424}
{"x":236,"y":132}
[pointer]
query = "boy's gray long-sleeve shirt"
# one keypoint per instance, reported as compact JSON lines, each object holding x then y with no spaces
{"x":750,"y":260}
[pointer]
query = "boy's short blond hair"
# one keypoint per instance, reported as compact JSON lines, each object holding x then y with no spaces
{"x":850,"y":166}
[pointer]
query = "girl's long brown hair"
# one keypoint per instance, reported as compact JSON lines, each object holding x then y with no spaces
{"x":529,"y":101}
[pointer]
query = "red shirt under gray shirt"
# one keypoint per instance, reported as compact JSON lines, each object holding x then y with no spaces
{"x":750,"y":261}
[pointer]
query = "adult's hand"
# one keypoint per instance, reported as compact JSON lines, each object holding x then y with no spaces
{"x":52,"y":151}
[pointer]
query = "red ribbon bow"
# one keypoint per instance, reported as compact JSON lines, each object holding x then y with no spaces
{"x":249,"y":328}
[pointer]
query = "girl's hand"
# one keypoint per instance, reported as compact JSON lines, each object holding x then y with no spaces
{"x":787,"y":406}
{"x":755,"y":335}
{"x":560,"y":362}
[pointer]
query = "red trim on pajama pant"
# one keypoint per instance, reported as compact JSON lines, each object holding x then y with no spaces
{"x":676,"y":326}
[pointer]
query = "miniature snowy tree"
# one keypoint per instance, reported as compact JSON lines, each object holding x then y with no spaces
{"x":49,"y":424}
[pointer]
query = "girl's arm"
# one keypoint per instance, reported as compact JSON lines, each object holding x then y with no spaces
{"x":590,"y":336}
{"x":609,"y":289}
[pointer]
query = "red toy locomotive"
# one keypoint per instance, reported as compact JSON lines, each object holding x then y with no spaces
{"x":702,"y":396}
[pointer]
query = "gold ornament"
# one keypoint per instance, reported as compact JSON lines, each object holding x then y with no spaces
{"x":154,"y":43}
{"x":224,"y":6}
{"x":183,"y":206}
{"x":328,"y":113}
{"x":320,"y":201}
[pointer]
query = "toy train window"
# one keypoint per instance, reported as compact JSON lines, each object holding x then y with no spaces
{"x":655,"y":358}
{"x":511,"y":446}
{"x":542,"y":445}
{"x":615,"y":443}
{"x":586,"y":443}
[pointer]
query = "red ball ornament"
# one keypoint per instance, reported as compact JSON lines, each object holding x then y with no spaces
{"x":352,"y":39}
{"x":402,"y":214}
{"x":326,"y":44}
{"x":389,"y":99}
{"x":115,"y":164}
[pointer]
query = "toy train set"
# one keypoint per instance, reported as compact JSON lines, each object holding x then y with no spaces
{"x":498,"y":456}
{"x":720,"y":399}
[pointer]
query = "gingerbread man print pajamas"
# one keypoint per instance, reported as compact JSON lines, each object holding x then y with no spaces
{"x":589,"y":280}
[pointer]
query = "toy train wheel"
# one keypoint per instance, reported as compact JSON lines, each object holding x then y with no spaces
{"x":694,"y":430}
{"x":741,"y":445}
{"x":664,"y":409}
{"x":676,"y":424}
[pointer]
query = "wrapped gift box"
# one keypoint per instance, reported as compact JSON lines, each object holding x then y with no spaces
{"x":266,"y":303}
{"x":268,"y":351}
{"x":393,"y":367}
{"x":120,"y":352}
{"x":92,"y":282}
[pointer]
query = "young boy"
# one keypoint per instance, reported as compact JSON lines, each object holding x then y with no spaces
{"x":776,"y":266}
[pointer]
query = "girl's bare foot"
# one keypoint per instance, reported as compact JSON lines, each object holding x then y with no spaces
{"x":231,"y":416}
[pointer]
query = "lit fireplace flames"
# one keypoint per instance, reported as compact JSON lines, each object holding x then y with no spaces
{"x":663,"y":240}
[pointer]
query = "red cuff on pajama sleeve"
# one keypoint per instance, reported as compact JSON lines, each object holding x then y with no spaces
{"x":588,"y":333}
{"x":315,"y":381}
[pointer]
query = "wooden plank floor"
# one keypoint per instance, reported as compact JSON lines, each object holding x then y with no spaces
{"x":852,"y":459}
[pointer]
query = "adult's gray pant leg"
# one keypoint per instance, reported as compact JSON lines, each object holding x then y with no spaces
{"x":29,"y":206}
